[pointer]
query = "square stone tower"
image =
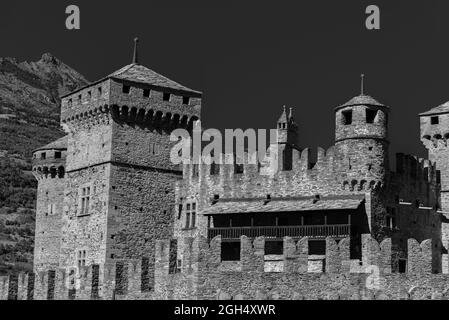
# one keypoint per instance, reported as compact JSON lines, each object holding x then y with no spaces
{"x":119,"y":192}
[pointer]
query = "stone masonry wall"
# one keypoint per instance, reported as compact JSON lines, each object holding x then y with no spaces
{"x":434,"y":137}
{"x":202,"y":278}
{"x":140,"y":212}
{"x":49,"y":208}
{"x":85,"y":232}
{"x":370,"y":278}
{"x":49,"y":170}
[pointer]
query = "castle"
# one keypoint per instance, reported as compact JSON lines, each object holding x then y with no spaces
{"x":116,"y":219}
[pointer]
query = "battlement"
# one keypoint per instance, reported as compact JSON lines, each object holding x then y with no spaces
{"x":131,"y":102}
{"x":328,"y":175}
{"x":125,"y":279}
{"x":252,"y":166}
{"x":296,"y":255}
{"x":204,"y":275}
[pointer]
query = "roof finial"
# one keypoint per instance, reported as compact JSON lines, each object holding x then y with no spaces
{"x":362,"y":80}
{"x":136,"y":55}
{"x":291,"y":113}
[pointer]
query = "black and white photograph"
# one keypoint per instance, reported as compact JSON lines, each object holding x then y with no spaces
{"x":226,"y":158}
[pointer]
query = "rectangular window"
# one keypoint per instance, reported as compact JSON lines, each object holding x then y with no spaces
{"x":166,"y":96}
{"x":193,"y":216}
{"x":85,"y":201}
{"x":214,"y":169}
{"x":146,"y":93}
{"x":370,"y":115}
{"x":195,"y":169}
{"x":179,"y":211}
{"x":190,"y":216}
{"x":402,"y":266}
{"x":81,"y":257}
{"x":185,"y":100}
{"x":434,"y":120}
{"x":126,"y":89}
{"x":388,"y":222}
{"x":155,"y":149}
{"x":187,"y":216}
{"x":80,"y":98}
{"x":100,"y":91}
{"x":238,"y":168}
{"x":89,"y":95}
{"x":57,"y":155}
{"x":347,"y":117}
{"x":43,"y":155}
{"x":51,"y":209}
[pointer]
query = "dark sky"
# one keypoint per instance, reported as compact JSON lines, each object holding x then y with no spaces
{"x":252,"y":57}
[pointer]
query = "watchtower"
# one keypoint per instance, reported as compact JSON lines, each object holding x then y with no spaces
{"x":49,"y":170}
{"x":120,"y":194}
{"x":361,"y":140}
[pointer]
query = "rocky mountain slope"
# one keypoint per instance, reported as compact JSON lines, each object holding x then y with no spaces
{"x":29,"y":118}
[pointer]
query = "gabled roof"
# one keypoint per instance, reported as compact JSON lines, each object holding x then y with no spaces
{"x":443,"y":108}
{"x":60,"y":144}
{"x":362,"y":100}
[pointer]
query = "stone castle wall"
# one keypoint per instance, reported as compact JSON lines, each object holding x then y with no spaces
{"x":434,"y":137}
{"x":205,"y":276}
{"x":49,"y":208}
{"x":141,"y":211}
{"x":85,"y":232}
{"x":413,"y":182}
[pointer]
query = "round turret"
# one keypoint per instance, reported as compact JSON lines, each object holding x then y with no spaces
{"x":49,"y":161}
{"x":361,"y":117}
{"x":361,"y":135}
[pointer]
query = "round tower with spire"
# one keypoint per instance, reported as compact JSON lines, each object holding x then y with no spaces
{"x":361,"y":140}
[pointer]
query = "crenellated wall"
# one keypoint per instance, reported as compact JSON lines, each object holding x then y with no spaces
{"x":343,"y":278}
{"x":407,"y":197}
{"x":204,"y":276}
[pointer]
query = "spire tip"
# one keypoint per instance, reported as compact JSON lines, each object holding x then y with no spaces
{"x":136,"y":56}
{"x":362,"y":79}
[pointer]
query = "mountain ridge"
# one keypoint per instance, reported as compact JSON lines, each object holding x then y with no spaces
{"x":29,"y":118}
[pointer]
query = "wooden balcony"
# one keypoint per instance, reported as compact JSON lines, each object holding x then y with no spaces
{"x":321,"y":232}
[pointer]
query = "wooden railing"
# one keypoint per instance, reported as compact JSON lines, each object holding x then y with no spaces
{"x":337,"y":231}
